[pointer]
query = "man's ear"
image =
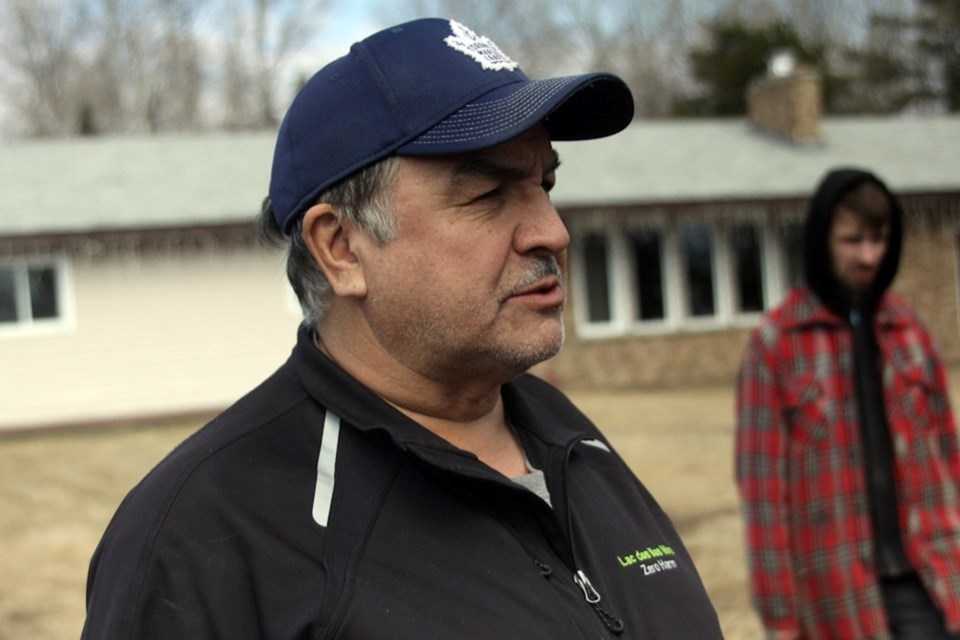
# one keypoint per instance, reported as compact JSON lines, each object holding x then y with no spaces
{"x":329,"y":242}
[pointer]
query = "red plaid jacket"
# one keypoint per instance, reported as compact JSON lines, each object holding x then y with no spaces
{"x":799,"y":468}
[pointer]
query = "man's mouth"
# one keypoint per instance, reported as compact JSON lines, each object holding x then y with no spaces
{"x":544,"y":293}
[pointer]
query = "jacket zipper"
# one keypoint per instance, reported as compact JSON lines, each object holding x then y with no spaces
{"x":590,"y":594}
{"x":610,"y":621}
{"x":613,"y":623}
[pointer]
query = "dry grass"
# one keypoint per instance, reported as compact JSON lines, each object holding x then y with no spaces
{"x":58,"y":491}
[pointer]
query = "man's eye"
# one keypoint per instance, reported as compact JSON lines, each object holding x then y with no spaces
{"x":489,"y":195}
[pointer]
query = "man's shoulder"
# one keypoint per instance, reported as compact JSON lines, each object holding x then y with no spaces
{"x":799,"y":310}
{"x":786,"y":314}
{"x":261,"y":409}
{"x":893,"y":309}
{"x":231,"y":475}
{"x":217,"y":462}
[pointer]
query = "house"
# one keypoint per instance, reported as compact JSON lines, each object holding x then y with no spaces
{"x":132,"y":286}
{"x":684,"y":232}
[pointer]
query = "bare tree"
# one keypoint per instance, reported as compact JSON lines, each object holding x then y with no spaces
{"x":123,"y":66}
{"x":175,"y":94}
{"x":648,"y":46}
{"x":530,"y":31}
{"x":92,"y":66}
{"x":641,"y":40}
{"x":264,"y":34}
{"x":146,"y":72}
{"x":40,"y":46}
{"x":236,"y":80}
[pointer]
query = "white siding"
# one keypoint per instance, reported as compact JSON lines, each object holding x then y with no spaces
{"x":152,"y":334}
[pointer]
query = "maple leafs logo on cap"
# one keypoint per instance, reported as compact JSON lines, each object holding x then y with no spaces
{"x":480,"y":48}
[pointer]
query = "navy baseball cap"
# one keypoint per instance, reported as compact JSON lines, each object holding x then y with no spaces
{"x":426,"y":87}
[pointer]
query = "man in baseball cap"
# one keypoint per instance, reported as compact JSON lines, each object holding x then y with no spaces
{"x":401,"y":475}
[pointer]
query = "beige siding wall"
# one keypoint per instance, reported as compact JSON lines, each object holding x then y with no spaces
{"x":154,"y":333}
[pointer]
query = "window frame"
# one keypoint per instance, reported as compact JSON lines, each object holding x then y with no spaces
{"x":771,"y":279}
{"x":604,"y":329}
{"x":718,"y":265}
{"x":26,"y":326}
{"x":622,"y":285}
{"x":637,"y":324}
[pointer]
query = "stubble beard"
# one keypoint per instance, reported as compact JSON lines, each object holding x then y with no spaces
{"x":441,"y":346}
{"x":450,"y":349}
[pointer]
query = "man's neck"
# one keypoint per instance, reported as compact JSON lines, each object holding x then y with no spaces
{"x":490,"y":438}
{"x":468,"y":414}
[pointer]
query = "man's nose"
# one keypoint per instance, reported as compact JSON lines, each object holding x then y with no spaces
{"x":541,"y":230}
{"x":871,"y":251}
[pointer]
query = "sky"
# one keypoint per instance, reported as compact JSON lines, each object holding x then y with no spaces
{"x":350,"y":21}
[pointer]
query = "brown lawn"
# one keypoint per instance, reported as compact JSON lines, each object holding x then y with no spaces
{"x":58,"y":491}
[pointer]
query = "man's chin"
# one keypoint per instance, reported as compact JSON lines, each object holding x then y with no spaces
{"x":550,"y":347}
{"x":531,"y":352}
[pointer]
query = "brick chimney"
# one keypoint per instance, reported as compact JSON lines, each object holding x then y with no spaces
{"x":786,"y":101}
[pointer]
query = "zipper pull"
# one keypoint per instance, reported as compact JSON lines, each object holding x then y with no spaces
{"x":584,"y":583}
{"x":612,"y":622}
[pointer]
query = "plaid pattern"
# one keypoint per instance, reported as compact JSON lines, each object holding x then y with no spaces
{"x":799,"y":468}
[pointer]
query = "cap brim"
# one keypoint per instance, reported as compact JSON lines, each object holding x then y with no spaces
{"x":572,"y":108}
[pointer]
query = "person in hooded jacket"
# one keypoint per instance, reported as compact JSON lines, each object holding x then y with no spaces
{"x":846,"y":450}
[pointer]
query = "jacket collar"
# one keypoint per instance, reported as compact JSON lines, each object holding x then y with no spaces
{"x":327,"y":383}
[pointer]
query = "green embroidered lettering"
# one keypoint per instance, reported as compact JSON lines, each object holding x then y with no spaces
{"x":649,"y":553}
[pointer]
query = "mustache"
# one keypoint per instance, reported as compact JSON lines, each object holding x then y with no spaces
{"x":541,"y":268}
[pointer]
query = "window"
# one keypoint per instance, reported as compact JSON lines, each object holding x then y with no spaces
{"x":31,"y":294}
{"x":648,"y":274}
{"x":748,"y":268}
{"x":596,"y":278}
{"x":793,"y":244}
{"x":697,"y":247}
{"x":680,"y":275}
{"x":8,"y":295}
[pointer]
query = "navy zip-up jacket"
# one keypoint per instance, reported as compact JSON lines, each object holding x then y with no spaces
{"x":313,"y":509}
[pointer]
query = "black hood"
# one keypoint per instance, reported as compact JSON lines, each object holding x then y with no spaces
{"x":817,"y":265}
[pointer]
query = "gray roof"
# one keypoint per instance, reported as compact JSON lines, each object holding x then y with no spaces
{"x":690,"y":160}
{"x":89,"y":184}
{"x":78,"y":185}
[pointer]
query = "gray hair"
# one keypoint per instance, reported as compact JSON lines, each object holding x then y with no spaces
{"x":362,"y":200}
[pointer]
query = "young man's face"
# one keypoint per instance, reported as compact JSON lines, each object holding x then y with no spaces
{"x":473,"y":283}
{"x":856,"y":252}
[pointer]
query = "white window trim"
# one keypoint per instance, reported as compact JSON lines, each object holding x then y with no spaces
{"x":676,"y":287}
{"x":622,"y":306}
{"x":581,"y":310}
{"x":724,"y":273}
{"x":775,"y":285}
{"x":622,"y":286}
{"x":65,"y":321}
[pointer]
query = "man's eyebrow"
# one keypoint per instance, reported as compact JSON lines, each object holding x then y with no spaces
{"x":477,"y":165}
